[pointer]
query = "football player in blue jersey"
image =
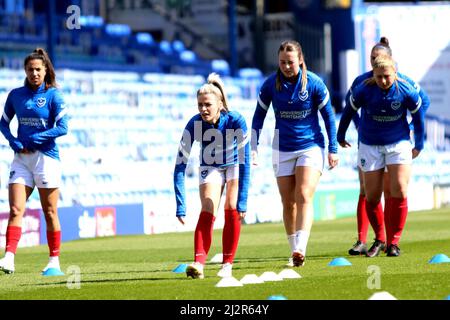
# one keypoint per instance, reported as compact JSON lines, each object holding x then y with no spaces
{"x":384,"y":141}
{"x":42,"y":117}
{"x":297,"y":97}
{"x":360,"y":247}
{"x":224,"y":160}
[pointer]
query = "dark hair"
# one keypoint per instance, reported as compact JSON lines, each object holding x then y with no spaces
{"x":290,"y":46}
{"x":383,"y":44}
{"x":41,"y":54}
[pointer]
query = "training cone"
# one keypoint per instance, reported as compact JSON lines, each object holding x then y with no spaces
{"x":339,"y":262}
{"x":229,"y":282}
{"x":382,"y":295}
{"x":270,"y":276}
{"x":52,"y":272}
{"x":439,"y":258}
{"x":277,"y":297}
{"x":217,"y":258}
{"x":289,"y":274}
{"x":181,"y":268}
{"x":251,"y":278}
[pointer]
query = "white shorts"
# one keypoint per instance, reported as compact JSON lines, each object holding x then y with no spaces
{"x":35,"y":169}
{"x":209,"y":174}
{"x":284,"y":163}
{"x":371,"y":158}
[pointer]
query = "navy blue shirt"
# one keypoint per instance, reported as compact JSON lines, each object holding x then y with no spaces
{"x":383,"y":114}
{"x":222,"y":145}
{"x":296,"y":114}
{"x":42,"y":117}
{"x":369,"y":74}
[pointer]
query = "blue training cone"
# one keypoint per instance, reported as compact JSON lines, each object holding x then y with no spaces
{"x":277,"y":297}
{"x":339,"y":262}
{"x":180,"y":268}
{"x":52,"y":272}
{"x":439,"y":258}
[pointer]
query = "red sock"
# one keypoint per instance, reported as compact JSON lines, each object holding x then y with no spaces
{"x":13,"y":235}
{"x":230,"y":235}
{"x":387,"y":219}
{"x":203,"y":236}
{"x":54,"y":242}
{"x":398,"y":214}
{"x":376,"y":218}
{"x":363,"y":220}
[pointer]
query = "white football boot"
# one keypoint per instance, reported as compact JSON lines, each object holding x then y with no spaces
{"x":53,"y":263}
{"x":226,"y":271}
{"x":7,"y":265}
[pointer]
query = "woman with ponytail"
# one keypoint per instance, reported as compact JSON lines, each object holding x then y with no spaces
{"x":384,"y":141}
{"x":42,"y":117}
{"x":297,"y":97}
{"x":224,"y":161}
{"x":377,"y":221}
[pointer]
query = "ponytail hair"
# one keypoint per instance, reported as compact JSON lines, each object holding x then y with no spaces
{"x":290,"y":46}
{"x":215,"y":85}
{"x":383,"y":44}
{"x":50,"y":76}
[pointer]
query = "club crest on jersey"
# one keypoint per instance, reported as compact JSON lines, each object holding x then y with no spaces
{"x":204,"y":173}
{"x":395,"y":105}
{"x":303,"y":95}
{"x":41,"y":102}
{"x":11,"y":174}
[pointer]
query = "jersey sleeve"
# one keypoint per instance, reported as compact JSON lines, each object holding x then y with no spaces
{"x":414,"y":105}
{"x":243,"y":147}
{"x":324,"y":106}
{"x":7,"y":116}
{"x":184,"y":150}
{"x":423,"y":95}
{"x":350,"y":110}
{"x":58,"y":112}
{"x":425,"y":100}
{"x":356,"y":119}
{"x":262,"y":106}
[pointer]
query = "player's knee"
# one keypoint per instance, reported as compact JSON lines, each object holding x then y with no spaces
{"x":288,"y":204}
{"x":16,"y":211}
{"x":305,"y":195}
{"x":50,"y":214}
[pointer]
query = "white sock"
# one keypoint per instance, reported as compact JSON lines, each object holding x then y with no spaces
{"x":9,"y":256}
{"x":292,"y":241}
{"x":302,"y":237}
{"x":53,"y":260}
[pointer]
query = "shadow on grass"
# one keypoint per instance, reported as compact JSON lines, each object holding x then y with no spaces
{"x":104,"y":281}
{"x":326,"y":256}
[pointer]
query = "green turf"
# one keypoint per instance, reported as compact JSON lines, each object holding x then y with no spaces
{"x":140,"y":267}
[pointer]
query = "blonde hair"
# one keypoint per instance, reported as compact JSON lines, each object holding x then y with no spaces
{"x":214,"y":85}
{"x":382,"y":61}
{"x":290,"y":46}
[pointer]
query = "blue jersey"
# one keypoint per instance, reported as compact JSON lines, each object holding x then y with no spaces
{"x":221,"y":145}
{"x":296,"y":114}
{"x":359,"y":79}
{"x":383,"y":114}
{"x":41,"y":115}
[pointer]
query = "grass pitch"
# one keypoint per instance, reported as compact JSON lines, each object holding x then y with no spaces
{"x":140,"y":267}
